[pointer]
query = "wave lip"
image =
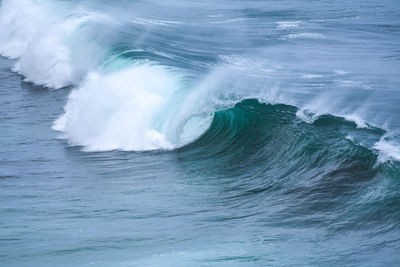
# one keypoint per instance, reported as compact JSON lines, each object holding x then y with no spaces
{"x":388,"y":149}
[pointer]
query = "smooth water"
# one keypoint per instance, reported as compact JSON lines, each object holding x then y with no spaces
{"x":199,"y":133}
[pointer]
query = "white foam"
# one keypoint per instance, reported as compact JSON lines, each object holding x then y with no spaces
{"x":304,"y":35}
{"x":357,"y":120}
{"x":119,"y":110}
{"x":128,"y":109}
{"x":322,"y":104}
{"x":47,"y":60}
{"x":288,"y":24}
{"x":387,"y":149}
{"x":306,"y":116}
{"x":311,"y":76}
{"x":341,"y":72}
{"x":348,"y":83}
{"x":41,"y":40}
{"x":19,"y":22}
{"x":350,"y":138}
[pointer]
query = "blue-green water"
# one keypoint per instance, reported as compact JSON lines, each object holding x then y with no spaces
{"x":195,"y":133}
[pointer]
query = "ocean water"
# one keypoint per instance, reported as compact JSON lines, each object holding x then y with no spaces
{"x":199,"y":133}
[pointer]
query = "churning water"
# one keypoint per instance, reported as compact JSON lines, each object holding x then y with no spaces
{"x":199,"y":133}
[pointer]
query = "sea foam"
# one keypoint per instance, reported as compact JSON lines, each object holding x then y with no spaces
{"x":388,"y":149}
{"x":46,"y":43}
{"x":119,"y":110}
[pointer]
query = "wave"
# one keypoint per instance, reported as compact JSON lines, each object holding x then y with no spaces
{"x":244,"y":103}
{"x":129,"y":110}
{"x":53,"y":47}
{"x":124,"y":99}
{"x":120,"y":100}
{"x":266,"y":160}
{"x":271,"y":139}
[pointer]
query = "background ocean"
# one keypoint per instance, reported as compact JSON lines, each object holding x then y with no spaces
{"x":199,"y":133}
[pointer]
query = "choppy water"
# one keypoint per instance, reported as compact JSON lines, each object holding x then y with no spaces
{"x":195,"y":133}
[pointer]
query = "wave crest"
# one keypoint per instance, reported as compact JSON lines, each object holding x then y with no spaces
{"x":49,"y":47}
{"x":119,"y":110}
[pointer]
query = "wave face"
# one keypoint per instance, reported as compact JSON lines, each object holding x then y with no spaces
{"x":163,"y":97}
{"x":274,"y":115}
{"x":307,"y":172}
{"x":331,"y":155}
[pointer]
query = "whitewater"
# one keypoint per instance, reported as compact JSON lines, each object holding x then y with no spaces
{"x":195,"y":133}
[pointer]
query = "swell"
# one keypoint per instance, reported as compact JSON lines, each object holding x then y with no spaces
{"x":123,"y":99}
{"x":296,"y":165}
{"x":276,"y":131}
{"x":270,"y":161}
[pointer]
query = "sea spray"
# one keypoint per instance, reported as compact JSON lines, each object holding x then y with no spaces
{"x":118,"y":110}
{"x":50,"y":43}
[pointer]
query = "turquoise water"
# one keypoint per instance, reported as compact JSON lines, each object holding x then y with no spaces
{"x":194,"y":133}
